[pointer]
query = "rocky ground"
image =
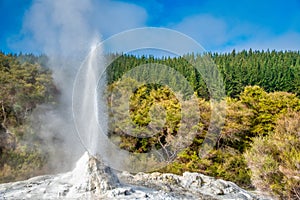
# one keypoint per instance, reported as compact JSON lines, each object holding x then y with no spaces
{"x":92,"y":180}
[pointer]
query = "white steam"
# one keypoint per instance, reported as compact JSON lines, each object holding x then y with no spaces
{"x":60,"y":29}
{"x":65,"y":31}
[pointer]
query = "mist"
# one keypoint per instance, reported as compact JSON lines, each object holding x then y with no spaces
{"x":61,"y":30}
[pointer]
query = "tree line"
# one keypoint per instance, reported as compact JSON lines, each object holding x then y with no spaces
{"x":271,"y":70}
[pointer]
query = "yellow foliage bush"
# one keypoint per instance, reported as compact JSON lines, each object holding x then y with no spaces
{"x":275,"y":159}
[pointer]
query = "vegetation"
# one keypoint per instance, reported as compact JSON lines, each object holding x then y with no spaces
{"x":250,"y":116}
{"x":24,"y":85}
{"x":261,"y":87}
{"x":258,"y":145}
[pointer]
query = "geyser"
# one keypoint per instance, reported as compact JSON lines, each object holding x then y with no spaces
{"x":90,"y":110}
{"x":85,"y":100}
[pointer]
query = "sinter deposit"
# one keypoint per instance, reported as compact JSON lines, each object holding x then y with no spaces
{"x":92,"y":180}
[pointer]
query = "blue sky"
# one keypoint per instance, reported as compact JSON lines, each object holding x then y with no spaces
{"x":32,"y":25}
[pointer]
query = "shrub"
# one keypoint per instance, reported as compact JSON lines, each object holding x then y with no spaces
{"x":275,"y":159}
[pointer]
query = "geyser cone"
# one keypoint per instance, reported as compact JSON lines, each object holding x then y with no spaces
{"x":90,"y":174}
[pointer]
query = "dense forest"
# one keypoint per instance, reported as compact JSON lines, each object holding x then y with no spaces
{"x":271,"y":70}
{"x":259,"y":143}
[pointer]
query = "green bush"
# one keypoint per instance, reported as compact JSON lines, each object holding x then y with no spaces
{"x":227,"y":164}
{"x":275,"y":159}
{"x":21,"y":164}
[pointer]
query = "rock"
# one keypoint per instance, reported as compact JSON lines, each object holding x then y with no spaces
{"x":191,"y":180}
{"x":91,"y":179}
{"x":90,"y":174}
{"x":196,"y":185}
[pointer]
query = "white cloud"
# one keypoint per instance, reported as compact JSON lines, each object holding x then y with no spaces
{"x":206,"y":29}
{"x":216,"y":34}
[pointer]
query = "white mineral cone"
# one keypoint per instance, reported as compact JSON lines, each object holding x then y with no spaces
{"x":90,"y":174}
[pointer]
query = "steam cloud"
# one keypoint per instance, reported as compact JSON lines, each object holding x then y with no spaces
{"x":61,"y":31}
{"x":65,"y":31}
